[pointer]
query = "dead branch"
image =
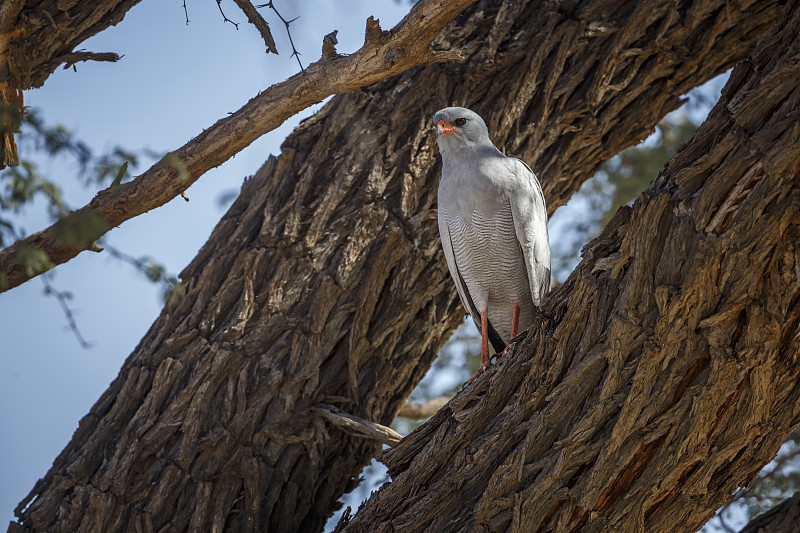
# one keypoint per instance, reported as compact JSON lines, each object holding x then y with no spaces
{"x":63,"y":297}
{"x":258,"y":21}
{"x":405,"y":46}
{"x":358,"y":426}
{"x":224,"y":16}
{"x":76,"y":57}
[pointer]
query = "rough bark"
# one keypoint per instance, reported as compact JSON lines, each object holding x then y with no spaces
{"x":668,"y":376}
{"x":783,"y":518}
{"x":324,"y":285}
{"x":384,"y":54}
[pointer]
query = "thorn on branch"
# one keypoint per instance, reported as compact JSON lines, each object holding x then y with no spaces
{"x":258,"y":21}
{"x":286,"y":23}
{"x":224,"y":18}
{"x":329,"y":43}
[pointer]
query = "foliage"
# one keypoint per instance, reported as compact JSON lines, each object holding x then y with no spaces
{"x":26,"y":186}
{"x":21,"y":185}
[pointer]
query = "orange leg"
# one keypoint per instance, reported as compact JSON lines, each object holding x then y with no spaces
{"x":485,"y":362}
{"x":515,"y":321}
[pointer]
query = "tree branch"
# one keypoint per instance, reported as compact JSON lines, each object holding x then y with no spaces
{"x":405,"y":46}
{"x":358,"y":426}
{"x":670,"y":377}
{"x":62,"y":297}
{"x":225,"y":17}
{"x":286,"y":23}
{"x":77,"y":57}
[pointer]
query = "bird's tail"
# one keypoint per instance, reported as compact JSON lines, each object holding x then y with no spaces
{"x":495,"y":339}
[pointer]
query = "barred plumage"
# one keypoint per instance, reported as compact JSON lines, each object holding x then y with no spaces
{"x":493,"y":225}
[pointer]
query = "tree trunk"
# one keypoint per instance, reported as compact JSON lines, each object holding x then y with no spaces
{"x":668,"y":375}
{"x":325,"y":286}
{"x":783,"y":518}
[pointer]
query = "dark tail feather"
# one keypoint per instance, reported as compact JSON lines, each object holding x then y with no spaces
{"x":494,"y":338}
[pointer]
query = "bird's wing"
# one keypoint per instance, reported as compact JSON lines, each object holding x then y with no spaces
{"x":450,"y":256}
{"x":530,"y":224}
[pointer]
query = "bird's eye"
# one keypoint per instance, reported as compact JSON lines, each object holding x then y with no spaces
{"x":461,"y":121}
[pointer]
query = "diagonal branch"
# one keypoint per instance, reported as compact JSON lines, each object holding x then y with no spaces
{"x":670,"y":376}
{"x":405,"y":46}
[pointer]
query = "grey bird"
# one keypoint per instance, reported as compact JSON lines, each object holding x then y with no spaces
{"x":493,"y":226}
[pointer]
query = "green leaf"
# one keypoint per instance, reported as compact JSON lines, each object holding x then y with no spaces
{"x":80,"y":228}
{"x":120,"y":174}
{"x":173,"y":291}
{"x":173,"y":159}
{"x":33,"y":260}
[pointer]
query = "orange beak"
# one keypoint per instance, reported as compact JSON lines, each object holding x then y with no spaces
{"x":444,"y":127}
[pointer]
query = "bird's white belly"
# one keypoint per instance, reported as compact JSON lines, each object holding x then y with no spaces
{"x":491,"y":262}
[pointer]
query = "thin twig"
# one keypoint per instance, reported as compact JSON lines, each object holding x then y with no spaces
{"x":62,"y":297}
{"x":286,"y":23}
{"x":186,"y":12}
{"x":224,"y":18}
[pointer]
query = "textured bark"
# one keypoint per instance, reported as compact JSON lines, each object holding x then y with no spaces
{"x":668,"y":377}
{"x":324,"y":285}
{"x":783,"y":518}
{"x":384,"y":54}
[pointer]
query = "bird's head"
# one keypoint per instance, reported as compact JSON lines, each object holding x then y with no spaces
{"x":459,"y":128}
